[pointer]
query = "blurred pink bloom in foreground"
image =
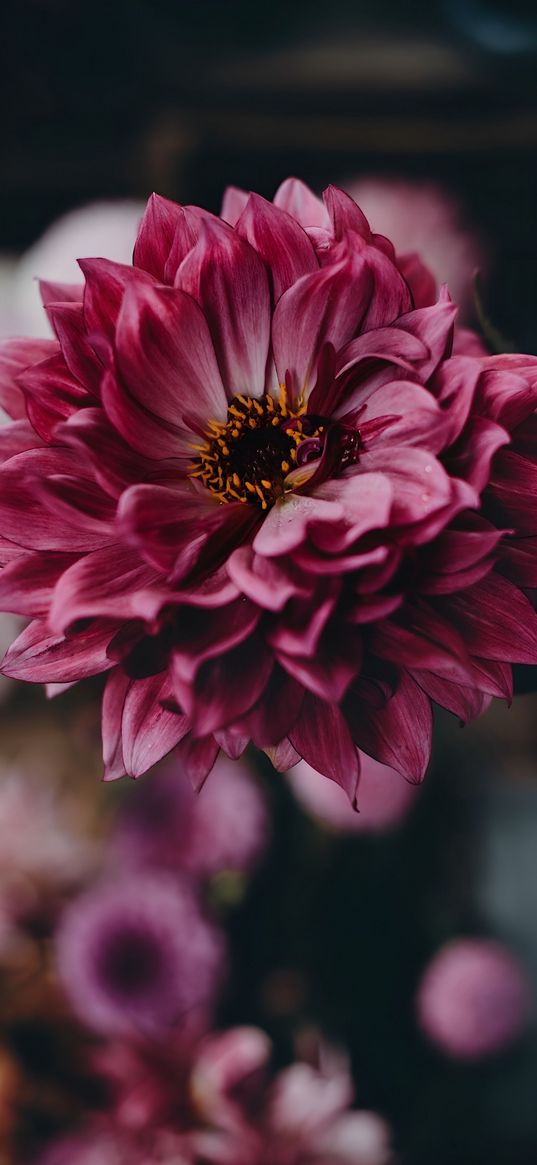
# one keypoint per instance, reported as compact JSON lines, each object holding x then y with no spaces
{"x":137,"y":956}
{"x":165,"y":823}
{"x":474,"y":998}
{"x":384,"y":798}
{"x":228,"y":1111}
{"x":425,"y":226}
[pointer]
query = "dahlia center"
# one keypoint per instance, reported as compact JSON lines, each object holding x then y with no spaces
{"x":248,"y":457}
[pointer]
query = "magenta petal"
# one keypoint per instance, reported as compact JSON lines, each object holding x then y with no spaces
{"x":52,"y":394}
{"x":117,"y":686}
{"x":321,"y":737}
{"x":166,"y":357}
{"x":25,"y":517}
{"x":143,"y":431}
{"x":345,"y":214}
{"x":106,"y":283}
{"x":196,"y":757}
{"x":156,"y":234}
{"x":115,"y":464}
{"x":110,"y":583}
{"x":69,"y":324}
{"x":268,"y":582}
{"x":300,"y":202}
{"x":514,"y":487}
{"x":279,"y":240}
{"x":17,"y":437}
{"x":227,"y":278}
{"x":149,"y":731}
{"x":170,"y":527}
{"x":283,"y":756}
{"x":466,"y":703}
{"x":60,"y":292}
{"x":325,"y":307}
{"x":398,"y":734}
{"x":41,"y":658}
{"x":27,"y":583}
{"x":287,"y":523}
{"x":434,"y":327}
{"x":496,"y":620}
{"x":233,"y":204}
{"x":16,"y":356}
{"x":226,"y":687}
{"x":274,"y":715}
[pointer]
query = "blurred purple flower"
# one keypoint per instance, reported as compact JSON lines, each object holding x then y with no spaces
{"x":164,"y":823}
{"x":137,"y":956}
{"x":384,"y":798}
{"x":473,"y":999}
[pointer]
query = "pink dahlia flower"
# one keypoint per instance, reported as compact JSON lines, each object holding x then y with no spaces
{"x":250,"y":482}
{"x":474,"y":998}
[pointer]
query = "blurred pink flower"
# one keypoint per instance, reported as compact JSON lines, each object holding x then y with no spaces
{"x":384,"y":798}
{"x":425,"y":225}
{"x":229,"y":1109}
{"x":137,"y":956}
{"x":474,"y":998}
{"x":164,"y":823}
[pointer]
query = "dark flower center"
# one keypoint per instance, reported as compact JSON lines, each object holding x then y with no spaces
{"x":131,"y":963}
{"x":248,"y":457}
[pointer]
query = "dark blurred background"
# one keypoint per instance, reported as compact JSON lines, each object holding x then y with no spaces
{"x":113,"y":100}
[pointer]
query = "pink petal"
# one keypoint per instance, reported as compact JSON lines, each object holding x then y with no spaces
{"x":17,"y":437}
{"x":300,"y":202}
{"x":345,"y":214}
{"x":52,"y":394}
{"x":171,"y":527}
{"x":434,"y":327}
{"x":496,"y":620}
{"x":233,"y":204}
{"x":15,"y":356}
{"x":106,"y":583}
{"x":24,"y":517}
{"x":398,"y":734}
{"x":146,"y":433}
{"x":466,"y":703}
{"x":106,"y":283}
{"x":322,"y":738}
{"x":324,"y":307}
{"x":156,"y":234}
{"x":60,"y":292}
{"x":196,"y":758}
{"x":226,"y":687}
{"x":40,"y":657}
{"x":268,"y":582}
{"x":514,"y":487}
{"x":69,"y":323}
{"x":166,"y":357}
{"x":27,"y":583}
{"x":148,"y":730}
{"x":279,"y":240}
{"x":228,"y":279}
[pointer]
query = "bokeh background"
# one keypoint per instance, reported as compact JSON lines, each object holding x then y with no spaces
{"x":334,"y":928}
